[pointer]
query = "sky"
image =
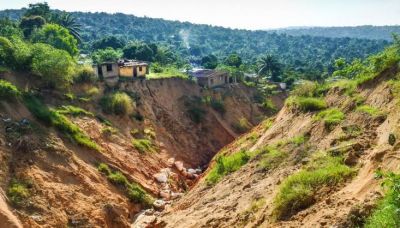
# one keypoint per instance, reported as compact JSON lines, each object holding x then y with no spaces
{"x":246,"y":14}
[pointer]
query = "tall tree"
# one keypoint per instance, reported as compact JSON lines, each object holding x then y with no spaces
{"x":69,"y":22}
{"x":270,"y":67}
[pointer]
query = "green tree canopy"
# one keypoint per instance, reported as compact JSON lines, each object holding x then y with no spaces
{"x":270,"y":67}
{"x":233,"y":60}
{"x":104,"y":55}
{"x":56,"y":67}
{"x":57,"y":36}
{"x":209,"y":61}
{"x":31,"y":23}
{"x":108,"y":42}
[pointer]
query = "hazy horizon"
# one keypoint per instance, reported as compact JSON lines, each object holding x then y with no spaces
{"x":251,"y":14}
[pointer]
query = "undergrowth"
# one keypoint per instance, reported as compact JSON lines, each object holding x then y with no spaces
{"x":58,"y":120}
{"x":299,"y":190}
{"x":306,"y":104}
{"x":387,"y":213}
{"x":143,"y":146}
{"x":8,"y":91}
{"x":134,"y":191}
{"x":225,"y":165}
{"x":331,"y":117}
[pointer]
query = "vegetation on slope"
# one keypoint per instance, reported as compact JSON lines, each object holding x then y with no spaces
{"x":133,"y":190}
{"x":59,"y":121}
{"x":387,"y":213}
{"x":299,"y":190}
{"x":8,"y":91}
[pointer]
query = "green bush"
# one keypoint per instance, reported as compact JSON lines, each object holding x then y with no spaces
{"x":372,"y":111}
{"x":331,"y":117}
{"x":306,"y":104}
{"x":387,"y":213}
{"x":103,"y":168}
{"x":195,"y":109}
{"x":8,"y":91}
{"x":225,"y":165}
{"x":268,"y":105}
{"x":298,"y":191}
{"x":118,"y":103}
{"x":74,"y":111}
{"x":143,"y":145}
{"x":85,"y":74}
{"x":242,"y":125}
{"x":271,"y":158}
{"x":59,"y":121}
{"x":135,"y":193}
{"x":17,"y":192}
{"x":306,"y":89}
{"x":56,"y":67}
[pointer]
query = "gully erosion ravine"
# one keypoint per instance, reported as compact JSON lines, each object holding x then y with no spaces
{"x":69,"y":185}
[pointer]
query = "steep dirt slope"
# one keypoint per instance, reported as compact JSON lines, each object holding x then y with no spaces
{"x":245,"y":198}
{"x":66,"y":189}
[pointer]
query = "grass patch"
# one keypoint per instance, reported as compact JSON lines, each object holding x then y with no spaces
{"x":134,"y":191}
{"x":372,"y":111}
{"x":59,"y":121}
{"x":18,"y":192}
{"x":348,"y":86}
{"x":297,"y":192}
{"x":118,"y":103}
{"x":143,"y":146}
{"x":271,"y":157}
{"x":268,"y":105}
{"x":8,"y":91}
{"x":387,"y":213}
{"x":74,"y":111}
{"x":225,"y":165}
{"x":331,"y":117}
{"x":306,"y":104}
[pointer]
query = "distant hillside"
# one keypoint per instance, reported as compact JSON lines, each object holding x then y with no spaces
{"x":363,"y":32}
{"x":310,"y":54}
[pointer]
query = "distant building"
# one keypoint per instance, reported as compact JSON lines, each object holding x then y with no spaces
{"x":212,"y":78}
{"x":122,"y":69}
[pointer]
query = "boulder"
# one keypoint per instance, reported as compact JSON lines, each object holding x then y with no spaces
{"x":179,"y":165}
{"x":159,"y":204}
{"x":165,"y":194}
{"x":161,"y":177}
{"x":176,"y":195}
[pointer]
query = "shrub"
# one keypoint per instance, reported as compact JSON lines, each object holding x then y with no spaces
{"x":56,"y":67}
{"x":143,"y":145}
{"x":108,"y":131}
{"x":218,"y":106}
{"x":94,"y":91}
{"x":194,"y":108}
{"x":58,"y":37}
{"x":242,"y":125}
{"x":74,"y":111}
{"x":306,"y":104}
{"x":59,"y":121}
{"x":225,"y":165}
{"x":298,"y":190}
{"x":331,"y":117}
{"x":306,"y":89}
{"x":387,"y":213}
{"x":85,"y":74}
{"x":103,"y":168}
{"x":348,"y":86}
{"x":271,"y":158}
{"x":133,"y":190}
{"x":118,"y":103}
{"x":17,"y":192}
{"x":372,"y":111}
{"x":8,"y":91}
{"x":268,"y":105}
{"x":117,"y":178}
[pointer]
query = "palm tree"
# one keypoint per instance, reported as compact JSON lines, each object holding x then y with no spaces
{"x":69,"y":22}
{"x":270,"y":67}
